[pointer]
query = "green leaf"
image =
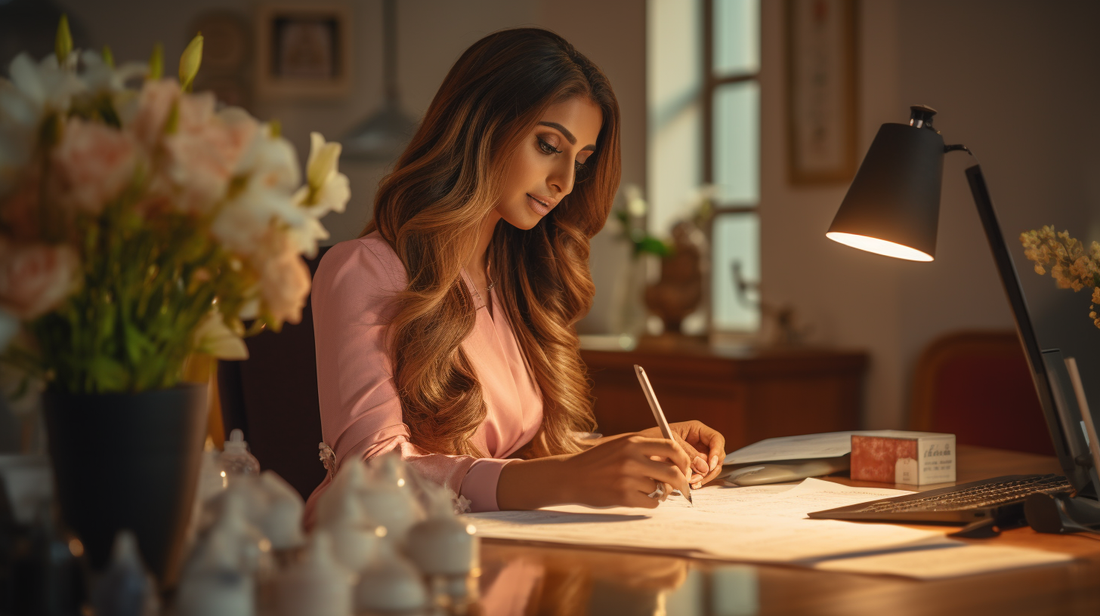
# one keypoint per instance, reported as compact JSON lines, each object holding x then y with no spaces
{"x":652,"y":245}
{"x":107,"y":374}
{"x":63,"y":44}
{"x":156,"y":63}
{"x":138,"y":346}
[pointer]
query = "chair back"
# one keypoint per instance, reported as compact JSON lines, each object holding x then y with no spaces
{"x":977,"y":386}
{"x":272,"y":398}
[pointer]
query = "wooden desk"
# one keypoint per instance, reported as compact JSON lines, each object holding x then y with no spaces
{"x":746,"y":395}
{"x":575,"y":581}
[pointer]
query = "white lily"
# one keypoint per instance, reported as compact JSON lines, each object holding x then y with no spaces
{"x":305,"y":236}
{"x":34,"y":90}
{"x":270,"y":160}
{"x":327,"y":190}
{"x":48,"y":85}
{"x":101,"y":78}
{"x":215,"y":338}
{"x":98,"y":76}
{"x":243,"y":223}
{"x":269,"y":168}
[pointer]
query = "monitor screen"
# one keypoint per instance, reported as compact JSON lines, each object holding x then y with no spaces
{"x":1048,"y":369}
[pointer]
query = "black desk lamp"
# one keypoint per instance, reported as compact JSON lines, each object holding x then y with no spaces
{"x":892,"y":209}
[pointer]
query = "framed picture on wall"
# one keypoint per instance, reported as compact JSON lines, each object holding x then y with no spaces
{"x":821,"y":90}
{"x":303,"y":51}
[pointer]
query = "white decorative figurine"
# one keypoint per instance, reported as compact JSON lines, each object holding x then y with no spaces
{"x":317,"y":585}
{"x":390,"y":584}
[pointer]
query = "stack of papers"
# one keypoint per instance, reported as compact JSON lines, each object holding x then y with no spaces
{"x":765,"y":524}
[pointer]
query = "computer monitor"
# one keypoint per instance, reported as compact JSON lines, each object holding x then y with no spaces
{"x":1048,"y":369}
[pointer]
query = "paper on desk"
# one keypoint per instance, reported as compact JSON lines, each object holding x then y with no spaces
{"x":946,"y":561}
{"x":809,"y":495}
{"x":802,"y":447}
{"x":745,"y":524}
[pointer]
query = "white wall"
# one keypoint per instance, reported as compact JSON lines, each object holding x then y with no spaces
{"x":1014,"y":81}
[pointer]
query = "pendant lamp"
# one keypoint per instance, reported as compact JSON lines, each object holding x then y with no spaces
{"x":384,"y":134}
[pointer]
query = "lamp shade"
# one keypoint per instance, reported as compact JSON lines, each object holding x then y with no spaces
{"x":893,"y":205}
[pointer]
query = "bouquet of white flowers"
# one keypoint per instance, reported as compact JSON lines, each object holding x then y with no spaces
{"x":140,"y":223}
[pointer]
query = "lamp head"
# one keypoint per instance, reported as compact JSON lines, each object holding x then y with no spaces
{"x":893,"y":205}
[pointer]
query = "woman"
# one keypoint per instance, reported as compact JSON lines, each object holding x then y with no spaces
{"x":446,"y":331}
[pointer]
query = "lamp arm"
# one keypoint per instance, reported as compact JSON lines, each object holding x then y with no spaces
{"x":957,"y":147}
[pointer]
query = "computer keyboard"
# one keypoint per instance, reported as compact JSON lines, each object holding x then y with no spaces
{"x":977,"y":495}
{"x":1000,"y":497}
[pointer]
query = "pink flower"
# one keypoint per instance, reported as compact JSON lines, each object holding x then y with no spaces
{"x":35,"y":278}
{"x":157,"y":98}
{"x":91,"y":166}
{"x":284,"y":280}
{"x":204,"y":151}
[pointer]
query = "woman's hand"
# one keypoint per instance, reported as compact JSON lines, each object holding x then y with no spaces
{"x":618,"y":472}
{"x":704,"y":445}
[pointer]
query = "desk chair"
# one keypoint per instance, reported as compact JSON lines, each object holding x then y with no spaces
{"x":272,"y":398}
{"x":977,"y":386}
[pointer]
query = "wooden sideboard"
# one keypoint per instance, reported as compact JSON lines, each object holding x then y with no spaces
{"x":747,"y":395}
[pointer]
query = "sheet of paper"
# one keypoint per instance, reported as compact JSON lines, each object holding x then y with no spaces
{"x":946,"y":561}
{"x":759,"y":524}
{"x":802,"y":447}
{"x":809,"y":495}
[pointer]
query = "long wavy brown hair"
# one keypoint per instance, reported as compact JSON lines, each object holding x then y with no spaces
{"x":431,"y":208}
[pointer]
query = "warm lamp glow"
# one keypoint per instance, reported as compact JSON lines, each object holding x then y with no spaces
{"x":877,"y":246}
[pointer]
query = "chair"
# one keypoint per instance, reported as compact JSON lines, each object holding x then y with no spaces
{"x":272,"y":398}
{"x":977,"y":386}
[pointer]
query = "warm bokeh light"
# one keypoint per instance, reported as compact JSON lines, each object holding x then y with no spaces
{"x":877,"y":246}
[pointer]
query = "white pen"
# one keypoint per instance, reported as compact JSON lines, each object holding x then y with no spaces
{"x":659,"y":415}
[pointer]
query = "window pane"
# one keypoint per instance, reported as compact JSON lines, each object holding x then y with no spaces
{"x":674,"y":86}
{"x":736,"y":239}
{"x":737,"y":143}
{"x":736,"y":36}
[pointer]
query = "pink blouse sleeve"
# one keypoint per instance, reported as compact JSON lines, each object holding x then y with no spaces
{"x":353,"y":301}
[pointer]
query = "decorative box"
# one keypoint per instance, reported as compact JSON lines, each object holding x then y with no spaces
{"x":896,"y":456}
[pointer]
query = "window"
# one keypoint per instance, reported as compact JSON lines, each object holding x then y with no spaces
{"x":703,"y":63}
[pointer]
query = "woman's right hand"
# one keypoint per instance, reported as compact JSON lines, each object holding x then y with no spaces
{"x":624,"y":471}
{"x":618,"y":472}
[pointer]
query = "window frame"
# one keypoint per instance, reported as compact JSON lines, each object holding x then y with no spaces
{"x":711,"y":85}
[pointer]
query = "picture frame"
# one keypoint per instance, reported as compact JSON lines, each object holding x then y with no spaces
{"x":822,"y":90}
{"x":303,"y":51}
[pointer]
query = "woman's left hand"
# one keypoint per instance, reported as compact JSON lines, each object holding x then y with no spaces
{"x":704,"y":445}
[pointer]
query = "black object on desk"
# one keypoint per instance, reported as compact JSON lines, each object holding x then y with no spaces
{"x":999,"y":500}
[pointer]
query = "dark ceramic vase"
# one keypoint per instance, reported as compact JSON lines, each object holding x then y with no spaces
{"x":128,"y":461}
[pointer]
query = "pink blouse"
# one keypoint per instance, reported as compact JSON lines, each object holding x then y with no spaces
{"x":353,"y":302}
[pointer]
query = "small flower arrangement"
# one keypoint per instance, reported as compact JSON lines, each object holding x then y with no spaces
{"x":141,"y":223}
{"x":631,"y":218}
{"x":1071,"y":266}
